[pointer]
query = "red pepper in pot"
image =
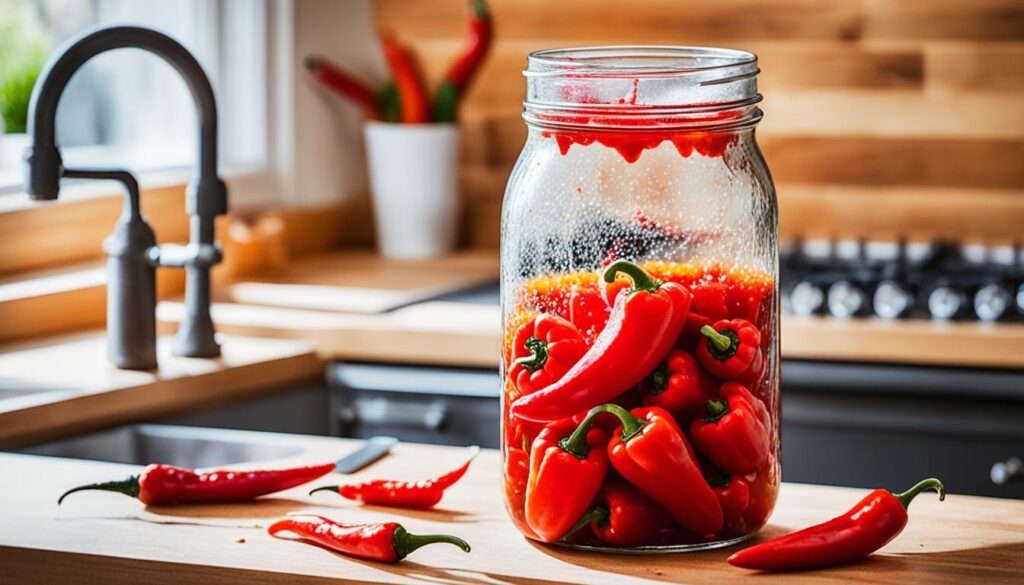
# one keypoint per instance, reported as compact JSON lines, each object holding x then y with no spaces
{"x":730,"y":349}
{"x":412,"y":95}
{"x":641,"y":330}
{"x":624,"y":516}
{"x":678,"y":385}
{"x":651,"y":452}
{"x":567,"y":466}
{"x":166,"y":484}
{"x":867,"y":527}
{"x":388,"y":542}
{"x":733,"y":494}
{"x":455,"y":82}
{"x":402,"y":494}
{"x":735,"y":432}
{"x":545,"y":348}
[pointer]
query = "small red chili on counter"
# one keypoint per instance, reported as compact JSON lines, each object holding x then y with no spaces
{"x":641,"y":330}
{"x":652,"y":453}
{"x":735,"y":433}
{"x":166,"y":484}
{"x":865,"y":528}
{"x":678,"y":385}
{"x":388,"y":542}
{"x":731,"y":348}
{"x":401,"y":494}
{"x":544,"y":349}
{"x":624,"y":516}
{"x":733,"y":494}
{"x":567,"y":466}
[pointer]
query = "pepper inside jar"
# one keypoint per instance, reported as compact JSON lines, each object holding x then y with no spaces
{"x":640,"y":313}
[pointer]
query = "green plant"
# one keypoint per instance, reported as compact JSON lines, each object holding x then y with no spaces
{"x":24,"y":47}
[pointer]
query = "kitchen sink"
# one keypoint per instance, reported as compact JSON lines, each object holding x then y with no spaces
{"x":194,"y":447}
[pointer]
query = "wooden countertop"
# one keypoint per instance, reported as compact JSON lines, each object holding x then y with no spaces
{"x":60,"y":387}
{"x":964,"y":539}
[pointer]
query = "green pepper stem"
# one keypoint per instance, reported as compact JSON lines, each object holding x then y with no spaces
{"x":538,"y":354}
{"x":631,"y":425}
{"x":325,"y":488}
{"x":657,"y":382}
{"x":405,"y":543}
{"x":719,"y":341}
{"x":128,"y":487}
{"x":641,"y":280}
{"x":599,"y":514}
{"x":716,"y":409}
{"x":931,"y":483}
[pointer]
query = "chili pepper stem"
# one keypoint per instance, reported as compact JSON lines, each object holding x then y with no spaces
{"x":128,"y":487}
{"x":405,"y":542}
{"x":538,"y":354}
{"x":325,"y":488}
{"x":599,"y":514}
{"x":641,"y":280}
{"x":720,"y":341}
{"x":931,"y":483}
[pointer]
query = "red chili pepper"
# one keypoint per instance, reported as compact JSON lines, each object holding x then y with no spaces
{"x":624,"y":516}
{"x":401,"y":494}
{"x":455,"y":82}
{"x":651,"y":452}
{"x":388,"y":542}
{"x":678,"y":385}
{"x":731,"y":348}
{"x":733,"y":493}
{"x":344,"y":84}
{"x":544,"y":349}
{"x":567,"y":467}
{"x":643,"y":326}
{"x":867,"y":527}
{"x":735,"y":433}
{"x":411,"y":91}
{"x":166,"y":484}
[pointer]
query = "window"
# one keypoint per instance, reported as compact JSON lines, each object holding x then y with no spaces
{"x":128,"y":108}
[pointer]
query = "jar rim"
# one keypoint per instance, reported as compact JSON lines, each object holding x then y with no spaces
{"x":645,"y":61}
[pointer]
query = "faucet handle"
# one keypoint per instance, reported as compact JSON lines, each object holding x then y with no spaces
{"x":180,"y":256}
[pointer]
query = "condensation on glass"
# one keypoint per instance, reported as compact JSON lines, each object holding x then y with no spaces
{"x":645,"y":154}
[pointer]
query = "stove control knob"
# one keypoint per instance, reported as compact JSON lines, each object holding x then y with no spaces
{"x":891,"y":300}
{"x":991,"y":302}
{"x":945,"y":303}
{"x":806,"y":298}
{"x":845,"y":299}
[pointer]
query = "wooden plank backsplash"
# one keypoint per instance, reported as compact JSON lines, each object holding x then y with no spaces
{"x":883,"y":118}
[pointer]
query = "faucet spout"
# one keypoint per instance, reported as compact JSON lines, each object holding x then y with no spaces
{"x":131,"y":248}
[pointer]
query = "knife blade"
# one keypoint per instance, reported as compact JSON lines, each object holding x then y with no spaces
{"x":371,"y":450}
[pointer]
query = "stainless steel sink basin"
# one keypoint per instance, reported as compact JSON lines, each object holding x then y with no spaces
{"x":175,"y":445}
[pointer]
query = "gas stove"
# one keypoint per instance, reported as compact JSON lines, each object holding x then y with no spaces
{"x":938,"y":280}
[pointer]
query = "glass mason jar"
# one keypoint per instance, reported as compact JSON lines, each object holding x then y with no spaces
{"x":639,"y":257}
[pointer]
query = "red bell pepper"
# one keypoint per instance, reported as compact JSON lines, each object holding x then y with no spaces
{"x":387,"y":542}
{"x":567,"y":467}
{"x":731,"y":348}
{"x":652,"y":453}
{"x":735,"y":434}
{"x":678,"y":385}
{"x":412,"y":94}
{"x":624,"y":516}
{"x":588,"y":312}
{"x":544,"y":349}
{"x":641,"y":330}
{"x":733,"y":494}
{"x":867,"y":527}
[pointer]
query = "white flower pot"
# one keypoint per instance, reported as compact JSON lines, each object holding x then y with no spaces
{"x":415,"y":195}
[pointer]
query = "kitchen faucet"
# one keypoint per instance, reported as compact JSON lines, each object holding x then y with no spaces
{"x":132,"y":252}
